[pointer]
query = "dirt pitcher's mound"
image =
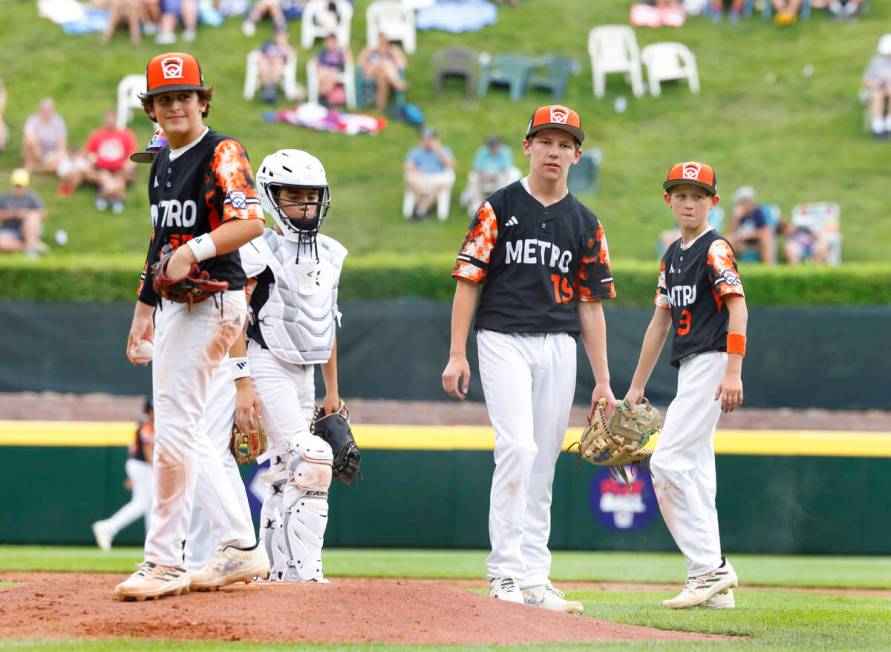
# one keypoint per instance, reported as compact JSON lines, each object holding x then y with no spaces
{"x":68,"y":605}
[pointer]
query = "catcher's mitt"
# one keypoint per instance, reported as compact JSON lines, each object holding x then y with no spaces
{"x":246,"y":447}
{"x":334,"y":428}
{"x":620,"y":440}
{"x":194,"y":287}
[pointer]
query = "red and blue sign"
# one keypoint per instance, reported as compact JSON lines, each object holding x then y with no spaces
{"x":621,"y":507}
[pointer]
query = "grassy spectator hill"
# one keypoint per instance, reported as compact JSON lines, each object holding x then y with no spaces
{"x":778,"y":111}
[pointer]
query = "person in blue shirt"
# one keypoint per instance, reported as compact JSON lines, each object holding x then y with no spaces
{"x":493,"y":168}
{"x":750,"y":228}
{"x":429,"y":169}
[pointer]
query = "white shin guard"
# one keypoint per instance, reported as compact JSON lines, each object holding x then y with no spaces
{"x":305,"y":507}
{"x":271,"y":519}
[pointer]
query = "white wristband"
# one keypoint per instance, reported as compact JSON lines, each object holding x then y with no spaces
{"x":203,"y":247}
{"x":240,"y":368}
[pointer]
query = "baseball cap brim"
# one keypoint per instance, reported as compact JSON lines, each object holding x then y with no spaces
{"x":575,"y":132}
{"x":172,"y":88}
{"x":668,"y":185}
{"x":143,"y":157}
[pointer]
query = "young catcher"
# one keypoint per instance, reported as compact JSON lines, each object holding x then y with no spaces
{"x":537,"y":259}
{"x":294,"y":272}
{"x":192,"y":306}
{"x":700,"y":298}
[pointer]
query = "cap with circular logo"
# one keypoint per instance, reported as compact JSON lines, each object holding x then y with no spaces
{"x":157,"y":141}
{"x":173,"y":71}
{"x":556,"y":116}
{"x":692,"y":173}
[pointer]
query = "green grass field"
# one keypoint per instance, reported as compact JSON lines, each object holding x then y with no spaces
{"x":780,"y":618}
{"x":759,"y":119}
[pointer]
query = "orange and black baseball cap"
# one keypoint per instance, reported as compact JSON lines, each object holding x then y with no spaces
{"x":155,"y":144}
{"x":173,"y":71}
{"x":692,"y":173}
{"x":556,"y":116}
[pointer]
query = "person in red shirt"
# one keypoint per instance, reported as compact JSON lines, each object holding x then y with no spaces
{"x":106,"y":164}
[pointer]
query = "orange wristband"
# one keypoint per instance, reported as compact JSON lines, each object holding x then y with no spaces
{"x":736,"y":343}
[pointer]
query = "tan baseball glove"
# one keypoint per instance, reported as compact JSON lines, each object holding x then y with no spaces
{"x":619,"y":441}
{"x":247,"y":446}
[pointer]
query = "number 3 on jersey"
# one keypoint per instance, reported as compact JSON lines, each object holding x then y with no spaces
{"x":563,"y":291}
{"x":684,"y":322}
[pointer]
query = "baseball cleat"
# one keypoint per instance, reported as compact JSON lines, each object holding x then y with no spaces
{"x":507,"y":589}
{"x":548,"y":597}
{"x":230,"y":565}
{"x":721,"y":601}
{"x":102,"y":536}
{"x":700,"y":589}
{"x":152,"y":581}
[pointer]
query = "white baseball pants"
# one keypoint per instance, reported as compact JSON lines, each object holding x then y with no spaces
{"x":140,"y":505}
{"x":217,"y":518}
{"x":683,"y":464}
{"x":529,"y":383}
{"x":287,"y":394}
{"x":189,"y":345}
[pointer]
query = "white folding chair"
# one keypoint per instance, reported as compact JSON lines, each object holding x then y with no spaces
{"x":316,"y":23}
{"x":823,"y":218}
{"x":347,"y":78}
{"x":129,"y":89}
{"x":668,"y":61}
{"x":252,"y":76}
{"x":613,"y":48}
{"x":394,"y":20}
{"x":443,"y":201}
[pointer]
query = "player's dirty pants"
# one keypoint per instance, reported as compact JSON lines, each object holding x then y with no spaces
{"x":189,"y":346}
{"x":140,"y":475}
{"x":684,"y":462}
{"x":210,"y":524}
{"x":529,"y":383}
{"x":287,"y":398}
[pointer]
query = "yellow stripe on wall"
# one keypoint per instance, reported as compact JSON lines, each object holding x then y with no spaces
{"x":445,"y":438}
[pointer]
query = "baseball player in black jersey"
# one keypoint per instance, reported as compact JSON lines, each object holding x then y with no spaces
{"x":700,"y":298}
{"x":537,"y":260}
{"x":203,"y":205}
{"x":139,"y":481}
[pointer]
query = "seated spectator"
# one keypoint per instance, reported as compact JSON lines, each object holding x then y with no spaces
{"x":877,"y":80}
{"x":107,"y":153}
{"x":493,"y":168}
{"x":840,"y":8}
{"x":133,"y":13}
{"x":429,"y":169}
{"x":4,"y":130}
{"x":736,"y":9}
{"x":260,"y":9}
{"x":750,"y":228}
{"x":172,"y":12}
{"x":21,"y":217}
{"x":786,"y":11}
{"x":802,"y":244}
{"x":385,"y":64}
{"x":45,"y":139}
{"x":274,"y":55}
{"x":329,"y":20}
{"x":330,"y":63}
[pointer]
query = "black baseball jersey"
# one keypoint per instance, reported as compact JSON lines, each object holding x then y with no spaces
{"x":535,"y":262}
{"x":693,"y":281}
{"x":208,"y":184}
{"x":145,"y":434}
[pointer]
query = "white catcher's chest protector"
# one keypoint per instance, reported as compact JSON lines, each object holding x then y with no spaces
{"x":299,"y":318}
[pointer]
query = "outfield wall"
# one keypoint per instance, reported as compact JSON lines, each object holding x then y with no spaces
{"x":778,"y":491}
{"x":396,"y":349}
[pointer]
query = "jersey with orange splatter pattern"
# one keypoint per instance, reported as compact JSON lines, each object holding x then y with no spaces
{"x":535,"y":262}
{"x":694,"y":281}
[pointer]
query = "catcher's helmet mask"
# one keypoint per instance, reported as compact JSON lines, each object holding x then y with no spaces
{"x":294,"y":168}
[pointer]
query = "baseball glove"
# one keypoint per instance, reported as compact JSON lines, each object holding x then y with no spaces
{"x":246,"y":447}
{"x":334,"y":428}
{"x":194,"y":287}
{"x":620,"y":440}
